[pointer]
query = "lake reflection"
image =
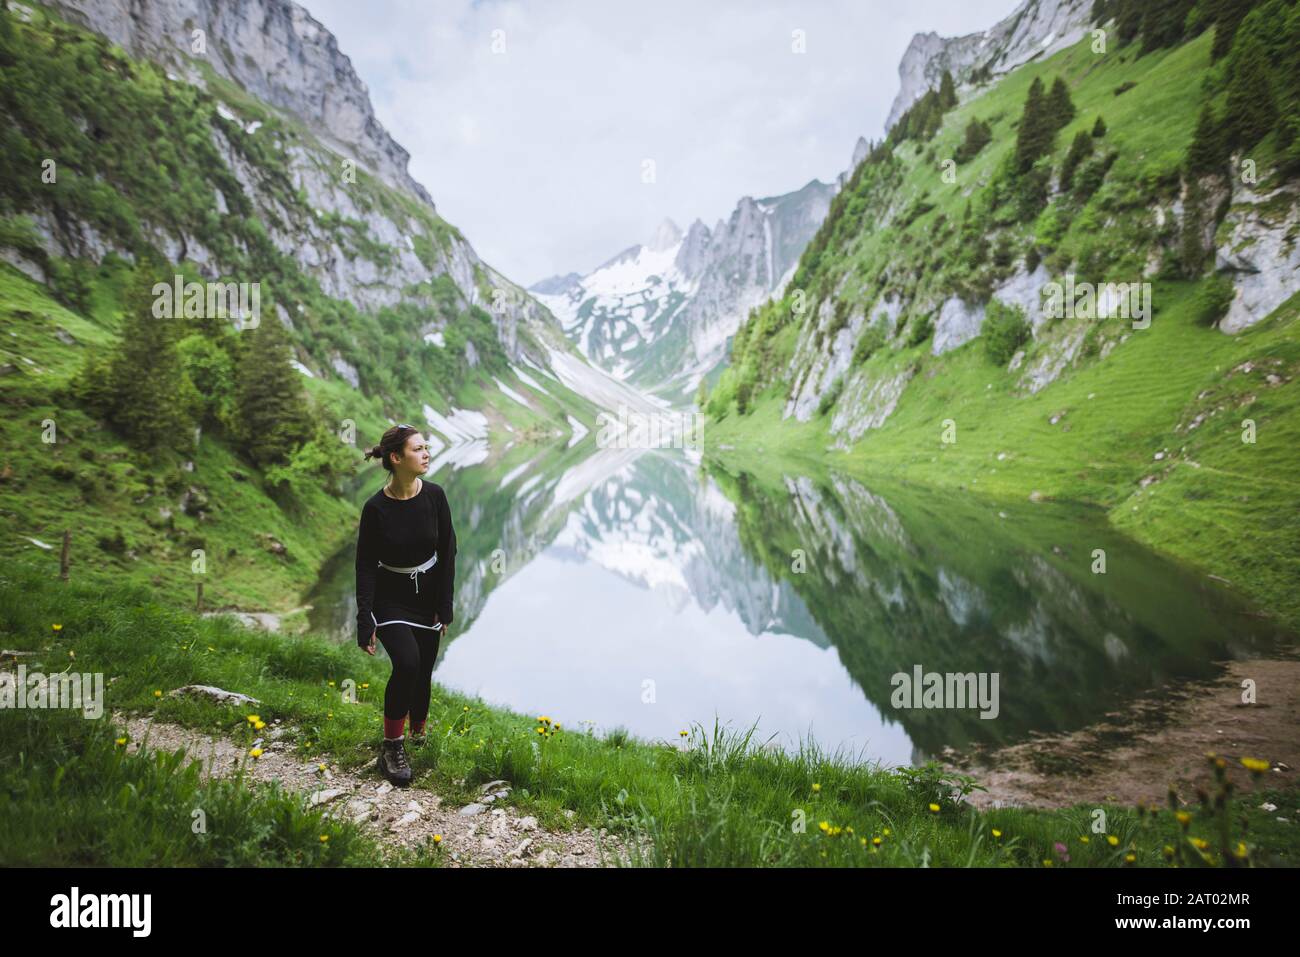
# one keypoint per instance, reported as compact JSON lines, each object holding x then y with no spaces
{"x":647,"y":591}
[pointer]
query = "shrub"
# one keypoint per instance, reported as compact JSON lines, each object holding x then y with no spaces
{"x":872,"y":338}
{"x":1004,"y":331}
{"x":1212,"y":299}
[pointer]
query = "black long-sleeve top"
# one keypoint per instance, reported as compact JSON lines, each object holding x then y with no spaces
{"x":405,"y":533}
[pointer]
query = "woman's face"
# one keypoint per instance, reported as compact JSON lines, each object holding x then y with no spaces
{"x":415,"y":456}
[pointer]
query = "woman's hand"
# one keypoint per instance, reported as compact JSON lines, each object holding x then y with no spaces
{"x":370,"y":648}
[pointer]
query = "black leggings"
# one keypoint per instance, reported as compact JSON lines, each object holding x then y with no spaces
{"x":413,"y":652}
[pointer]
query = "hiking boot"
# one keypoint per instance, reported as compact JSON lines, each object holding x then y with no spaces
{"x":393,"y":764}
{"x":418,"y":739}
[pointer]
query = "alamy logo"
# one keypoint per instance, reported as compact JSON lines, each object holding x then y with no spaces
{"x":1083,"y":300}
{"x":102,"y":910}
{"x":208,"y":300}
{"x":931,"y":689}
{"x":649,"y":430}
{"x":36,"y":690}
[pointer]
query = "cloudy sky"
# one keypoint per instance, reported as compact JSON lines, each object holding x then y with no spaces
{"x":533,"y":122}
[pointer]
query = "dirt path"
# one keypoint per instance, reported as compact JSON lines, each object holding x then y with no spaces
{"x":1135,"y":754}
{"x":477,"y":835}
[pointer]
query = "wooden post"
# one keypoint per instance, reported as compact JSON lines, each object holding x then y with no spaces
{"x":63,"y":559}
{"x":198,"y":601}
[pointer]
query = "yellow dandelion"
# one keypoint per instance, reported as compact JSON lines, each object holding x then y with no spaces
{"x":321,"y":766}
{"x":1183,"y":818}
{"x":56,"y":627}
{"x":157,"y":693}
{"x":437,"y":838}
{"x":71,"y":653}
{"x":863,"y":840}
{"x":1200,"y":843}
{"x":256,"y":752}
{"x":121,"y":741}
{"x":365,"y":684}
{"x":934,"y":808}
{"x":541,"y":730}
{"x":816,"y":787}
{"x":1168,"y":851}
{"x":824,"y":825}
{"x":874,"y":840}
{"x":1130,"y":858}
{"x":996,"y":832}
{"x":1047,"y":863}
{"x":1083,"y":839}
{"x":260,"y":725}
{"x":1255,"y":765}
{"x":329,"y":714}
{"x":886,"y":832}
{"x":253,"y":719}
{"x":1112,"y":840}
{"x":331,"y":684}
{"x":324,"y":838}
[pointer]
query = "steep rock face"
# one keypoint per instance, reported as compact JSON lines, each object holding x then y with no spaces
{"x":1261,"y":254}
{"x":1035,"y":28}
{"x":384,"y":253}
{"x":274,"y":49}
{"x":660,"y":314}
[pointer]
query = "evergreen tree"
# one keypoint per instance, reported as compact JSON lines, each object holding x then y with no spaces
{"x":1036,"y":132}
{"x":1079,"y":151}
{"x":150,"y":400}
{"x":1059,"y":105}
{"x":1227,"y":16}
{"x":1251,"y":107}
{"x":1099,"y":128}
{"x":271,"y":418}
{"x":947,"y":92}
{"x":1163,"y":23}
{"x":978,"y":135}
{"x":1208,"y":151}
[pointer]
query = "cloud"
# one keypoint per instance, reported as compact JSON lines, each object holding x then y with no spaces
{"x":529,"y":122}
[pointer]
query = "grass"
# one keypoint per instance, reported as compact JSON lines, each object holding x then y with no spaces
{"x":69,"y":793}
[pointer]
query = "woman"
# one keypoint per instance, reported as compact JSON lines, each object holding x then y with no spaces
{"x":406,"y":570}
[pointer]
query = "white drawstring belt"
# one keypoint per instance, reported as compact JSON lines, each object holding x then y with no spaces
{"x":413,"y":570}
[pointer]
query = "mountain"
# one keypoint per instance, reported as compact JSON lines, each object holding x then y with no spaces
{"x":134,"y":155}
{"x":659,"y":314}
{"x":1078,"y":281}
{"x":1035,"y":29}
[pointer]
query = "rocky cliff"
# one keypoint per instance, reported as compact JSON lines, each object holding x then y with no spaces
{"x":1036,"y":28}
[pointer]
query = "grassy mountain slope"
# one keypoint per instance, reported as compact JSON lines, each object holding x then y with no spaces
{"x":148,"y":165}
{"x":1145,"y":422}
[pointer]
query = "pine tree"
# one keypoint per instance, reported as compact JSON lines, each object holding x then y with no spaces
{"x":947,"y":92}
{"x":149,"y":397}
{"x":1059,"y":105}
{"x":271,"y":417}
{"x":1227,"y":16}
{"x":1034,"y":137}
{"x":1163,"y":23}
{"x":1079,"y":151}
{"x":1251,"y":108}
{"x":1208,"y":151}
{"x":1099,"y":128}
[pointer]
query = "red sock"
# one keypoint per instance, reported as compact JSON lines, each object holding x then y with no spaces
{"x":417,"y":727}
{"x":393,"y":727}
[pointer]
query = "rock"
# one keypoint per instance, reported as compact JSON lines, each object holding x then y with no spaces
{"x":469,"y":810}
{"x":324,"y":797}
{"x":523,"y":847}
{"x":494,"y":786}
{"x":384,"y":788}
{"x":528,"y":823}
{"x":216,"y":694}
{"x":410,"y":817}
{"x":414,"y":805}
{"x":547,"y":858}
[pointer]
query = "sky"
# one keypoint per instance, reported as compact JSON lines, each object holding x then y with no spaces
{"x":556,"y":133}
